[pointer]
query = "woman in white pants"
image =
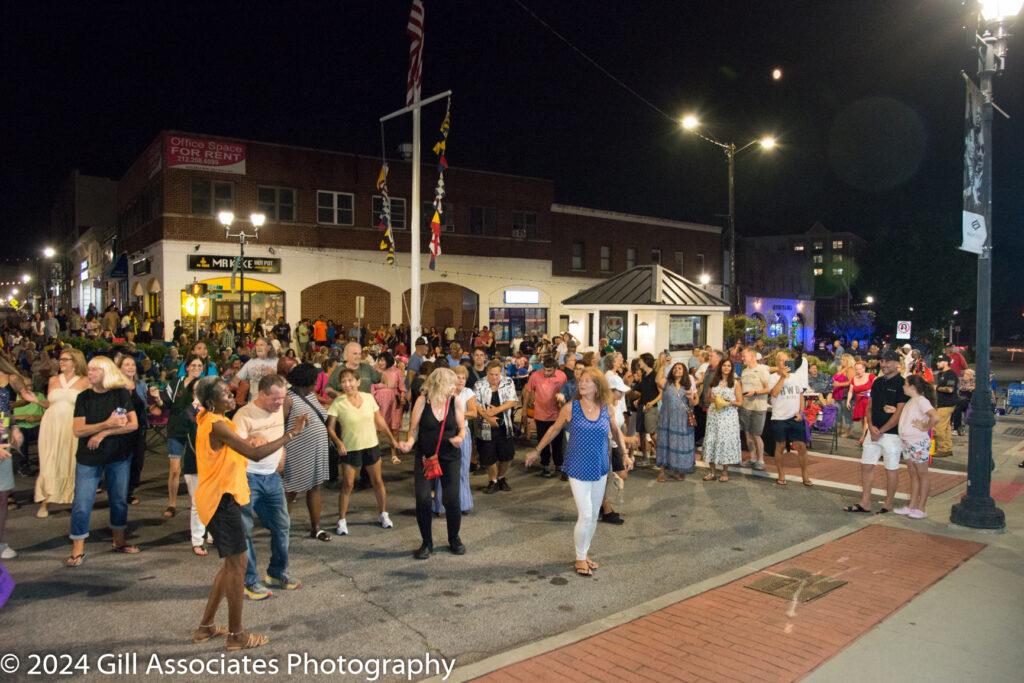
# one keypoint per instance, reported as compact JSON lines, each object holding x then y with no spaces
{"x":587,"y":461}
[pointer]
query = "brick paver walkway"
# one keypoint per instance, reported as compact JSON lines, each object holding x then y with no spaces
{"x":732,"y":633}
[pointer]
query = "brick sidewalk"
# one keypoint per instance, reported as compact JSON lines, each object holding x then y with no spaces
{"x":733,"y":633}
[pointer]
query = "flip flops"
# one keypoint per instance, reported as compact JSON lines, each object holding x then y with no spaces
{"x":856,"y":508}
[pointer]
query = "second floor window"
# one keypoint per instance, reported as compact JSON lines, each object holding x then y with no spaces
{"x":606,"y":258}
{"x":483,"y":220}
{"x":427,"y":215}
{"x":334,"y":208}
{"x":656,"y":256}
{"x":680,"y":262}
{"x":700,"y":263}
{"x":837,"y":244}
{"x":208,"y":197}
{"x":276,"y":203}
{"x":397,"y":212}
{"x":630,"y":257}
{"x":524,"y":224}
{"x":577,"y":256}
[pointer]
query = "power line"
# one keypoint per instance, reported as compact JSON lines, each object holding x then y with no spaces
{"x":590,"y":59}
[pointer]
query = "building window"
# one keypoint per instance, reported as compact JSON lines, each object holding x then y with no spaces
{"x":656,"y":256}
{"x":837,"y":244}
{"x":606,"y":258}
{"x":818,"y":258}
{"x":687,"y":332}
{"x":630,"y":257}
{"x":276,"y":203}
{"x":335,"y":208}
{"x":799,"y":246}
{"x":700,"y":263}
{"x":397,"y":212}
{"x":577,"y":256}
{"x":483,"y":220}
{"x":427,"y":215}
{"x":819,"y":271}
{"x":838,"y":258}
{"x":680,"y":262}
{"x":818,"y":245}
{"x":837,"y":271}
{"x":208,"y":197}
{"x":524,"y":224}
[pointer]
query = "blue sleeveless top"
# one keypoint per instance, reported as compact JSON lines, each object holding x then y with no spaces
{"x":587,"y":456}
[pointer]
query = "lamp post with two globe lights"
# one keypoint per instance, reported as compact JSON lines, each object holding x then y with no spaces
{"x":227,"y":218}
{"x":692,"y":124}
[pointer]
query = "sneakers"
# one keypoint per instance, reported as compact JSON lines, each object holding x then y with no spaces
{"x":503,"y":485}
{"x":342,"y":528}
{"x":258,"y":591}
{"x":7,"y":552}
{"x":546,"y":473}
{"x":917,"y":514}
{"x":286,"y":582}
{"x":385,"y":521}
{"x":905,"y":510}
{"x":758,"y":465}
{"x":492,"y":487}
{"x":612,"y":518}
{"x":563,"y":476}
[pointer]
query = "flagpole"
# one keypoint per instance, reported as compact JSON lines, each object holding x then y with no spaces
{"x":414,"y":229}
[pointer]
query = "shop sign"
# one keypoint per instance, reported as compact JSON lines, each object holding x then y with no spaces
{"x":227,"y":263}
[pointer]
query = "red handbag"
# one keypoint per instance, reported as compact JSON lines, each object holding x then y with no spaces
{"x":431,"y":465}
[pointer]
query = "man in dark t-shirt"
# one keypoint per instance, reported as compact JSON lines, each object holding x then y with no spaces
{"x":882,"y":442}
{"x":945,"y":398}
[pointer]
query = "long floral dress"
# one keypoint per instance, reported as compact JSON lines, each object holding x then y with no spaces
{"x":387,"y":393}
{"x":722,"y":438}
{"x":675,"y":447}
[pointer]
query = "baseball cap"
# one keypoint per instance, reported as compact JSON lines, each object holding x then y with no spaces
{"x":421,"y":341}
{"x":941,"y":358}
{"x":616,"y":384}
{"x":906,"y":347}
{"x":890,"y":355}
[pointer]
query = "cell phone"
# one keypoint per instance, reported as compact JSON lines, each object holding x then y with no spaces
{"x":120,"y":412}
{"x":5,"y":430}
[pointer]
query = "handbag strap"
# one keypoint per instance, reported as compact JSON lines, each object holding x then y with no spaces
{"x":440,"y":433}
{"x":306,"y":401}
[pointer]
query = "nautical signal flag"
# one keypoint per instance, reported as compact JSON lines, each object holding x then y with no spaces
{"x":435,"y":239}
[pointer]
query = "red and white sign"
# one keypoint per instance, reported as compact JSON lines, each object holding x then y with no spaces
{"x":204,"y":154}
{"x":903,"y":329}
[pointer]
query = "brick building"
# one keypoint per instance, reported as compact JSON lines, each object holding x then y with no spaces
{"x":510,"y":254}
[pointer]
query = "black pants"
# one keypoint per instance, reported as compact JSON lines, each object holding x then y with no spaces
{"x":22,"y":461}
{"x":138,"y":459}
{"x":960,"y":410}
{"x":450,"y":482}
{"x":702,"y":422}
{"x":553,"y":451}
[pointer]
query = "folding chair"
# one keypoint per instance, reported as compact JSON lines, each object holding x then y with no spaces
{"x":157,"y":432}
{"x":826,"y":424}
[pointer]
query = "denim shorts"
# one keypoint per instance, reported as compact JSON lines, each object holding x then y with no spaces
{"x":175,"y":447}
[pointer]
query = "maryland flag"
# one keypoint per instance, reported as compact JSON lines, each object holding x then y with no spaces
{"x":387,"y":242}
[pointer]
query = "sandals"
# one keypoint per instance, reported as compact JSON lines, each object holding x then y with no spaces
{"x":679,"y":477}
{"x":781,"y":482}
{"x":133,"y":500}
{"x":73,"y":561}
{"x":592,"y":564}
{"x":723,"y":477}
{"x":208,"y":631}
{"x":661,"y":478}
{"x":882,"y":511}
{"x":170,"y":511}
{"x":808,"y":483}
{"x":200,"y":551}
{"x":125,"y":549}
{"x":710,"y":476}
{"x":320,"y":535}
{"x":252,"y":640}
{"x":584,"y":570}
{"x":856,"y":508}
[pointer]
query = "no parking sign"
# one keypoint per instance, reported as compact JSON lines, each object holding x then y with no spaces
{"x":903,"y":329}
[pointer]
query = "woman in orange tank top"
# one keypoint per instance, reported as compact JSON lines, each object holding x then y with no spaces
{"x":222,"y":491}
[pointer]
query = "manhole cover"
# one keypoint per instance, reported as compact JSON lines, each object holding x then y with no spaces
{"x":796,"y":583}
{"x":1014,"y":431}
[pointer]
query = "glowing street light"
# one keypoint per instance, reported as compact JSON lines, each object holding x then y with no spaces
{"x":26,"y":278}
{"x":690,"y":122}
{"x":776,"y":74}
{"x":226,"y":218}
{"x":49,"y":252}
{"x":767,"y":143}
{"x":870,"y":299}
{"x":705,"y":279}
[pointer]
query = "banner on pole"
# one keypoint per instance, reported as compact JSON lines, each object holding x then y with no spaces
{"x":975,"y":230}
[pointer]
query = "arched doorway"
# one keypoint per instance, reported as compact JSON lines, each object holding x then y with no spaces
{"x":444,"y":303}
{"x":336,"y":300}
{"x":778,"y":326}
{"x":756,"y":327}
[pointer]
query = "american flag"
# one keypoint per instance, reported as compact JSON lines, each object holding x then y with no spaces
{"x":415,"y":30}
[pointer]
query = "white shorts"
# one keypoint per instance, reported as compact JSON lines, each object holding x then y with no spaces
{"x":888,"y":448}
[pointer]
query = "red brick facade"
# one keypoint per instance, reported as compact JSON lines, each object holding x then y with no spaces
{"x":336,"y":300}
{"x":443,"y":303}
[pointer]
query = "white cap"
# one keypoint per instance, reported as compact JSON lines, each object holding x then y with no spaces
{"x":906,"y":347}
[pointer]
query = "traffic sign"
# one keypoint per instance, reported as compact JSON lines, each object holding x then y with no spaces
{"x":903,"y":329}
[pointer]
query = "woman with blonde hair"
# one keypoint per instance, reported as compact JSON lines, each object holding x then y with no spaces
{"x":467,"y":397}
{"x":587,"y":460}
{"x":437,"y":427}
{"x":841,"y":382}
{"x":104,"y":423}
{"x":57,"y":444}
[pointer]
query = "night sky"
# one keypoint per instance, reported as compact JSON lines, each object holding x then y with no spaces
{"x":869,"y":111}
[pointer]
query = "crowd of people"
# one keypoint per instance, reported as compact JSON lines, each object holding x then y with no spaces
{"x":254,"y":417}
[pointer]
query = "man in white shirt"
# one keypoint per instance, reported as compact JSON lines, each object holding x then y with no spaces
{"x":256,"y":368}
{"x":262,"y":421}
{"x":788,"y":417}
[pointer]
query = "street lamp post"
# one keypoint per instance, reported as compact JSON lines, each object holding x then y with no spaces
{"x":692,"y":124}
{"x":226,"y":218}
{"x":977,"y":509}
{"x":49,"y":253}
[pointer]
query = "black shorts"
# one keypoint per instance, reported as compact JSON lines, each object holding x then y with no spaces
{"x":498,"y":449}
{"x":362,"y":458}
{"x":617,"y":464}
{"x":228,"y":528}
{"x":789,"y":430}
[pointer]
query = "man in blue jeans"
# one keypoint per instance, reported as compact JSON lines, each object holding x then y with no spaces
{"x":262,"y":421}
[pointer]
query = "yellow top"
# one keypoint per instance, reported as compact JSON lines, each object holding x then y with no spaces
{"x":358,"y":429}
{"x":221,"y":471}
